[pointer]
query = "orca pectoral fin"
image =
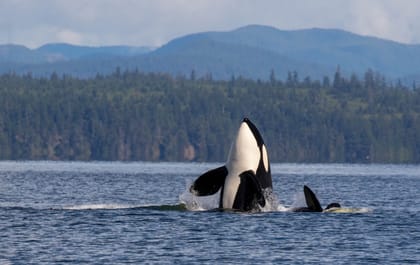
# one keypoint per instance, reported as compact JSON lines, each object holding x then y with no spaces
{"x":210,"y":182}
{"x":249,"y":192}
{"x":311,"y":200}
{"x":258,"y":189}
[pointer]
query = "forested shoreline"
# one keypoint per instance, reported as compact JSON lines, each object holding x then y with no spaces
{"x":130,"y":115}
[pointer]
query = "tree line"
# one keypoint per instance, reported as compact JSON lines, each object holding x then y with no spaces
{"x":131,"y":115}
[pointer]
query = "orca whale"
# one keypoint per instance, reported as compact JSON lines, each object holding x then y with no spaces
{"x":245,"y":180}
{"x":313,"y":204}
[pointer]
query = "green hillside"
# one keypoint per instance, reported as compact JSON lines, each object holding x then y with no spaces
{"x":157,"y":117}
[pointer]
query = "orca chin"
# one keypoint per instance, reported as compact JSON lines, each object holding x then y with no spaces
{"x":313,"y":204}
{"x":245,"y":180}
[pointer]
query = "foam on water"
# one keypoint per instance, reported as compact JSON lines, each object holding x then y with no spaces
{"x":99,"y":206}
{"x":206,"y":203}
{"x":195,"y":203}
{"x":187,"y":202}
{"x":273,"y":204}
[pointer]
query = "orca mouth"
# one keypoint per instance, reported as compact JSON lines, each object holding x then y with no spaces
{"x":254,"y":131}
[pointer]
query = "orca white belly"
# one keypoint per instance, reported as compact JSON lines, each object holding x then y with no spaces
{"x":230,"y":190}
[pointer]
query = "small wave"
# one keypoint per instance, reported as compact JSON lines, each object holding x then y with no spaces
{"x":5,"y":262}
{"x":100,"y":206}
{"x":167,"y":207}
{"x":159,"y":207}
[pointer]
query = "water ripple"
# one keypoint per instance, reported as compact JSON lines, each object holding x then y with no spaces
{"x":127,"y":213}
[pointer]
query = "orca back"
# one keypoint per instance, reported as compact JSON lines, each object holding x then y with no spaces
{"x":263,"y":172}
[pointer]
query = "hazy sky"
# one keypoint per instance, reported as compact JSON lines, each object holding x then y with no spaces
{"x":155,"y":22}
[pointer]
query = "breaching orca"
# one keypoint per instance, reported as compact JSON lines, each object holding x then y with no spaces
{"x":312,"y":202}
{"x":245,"y":179}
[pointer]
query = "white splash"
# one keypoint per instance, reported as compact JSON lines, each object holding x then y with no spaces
{"x":206,"y":203}
{"x":195,"y":203}
{"x":298,"y":200}
{"x":272,"y":203}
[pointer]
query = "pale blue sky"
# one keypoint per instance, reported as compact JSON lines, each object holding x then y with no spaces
{"x":155,"y":22}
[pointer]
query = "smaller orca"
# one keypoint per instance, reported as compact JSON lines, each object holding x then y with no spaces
{"x":312,"y":202}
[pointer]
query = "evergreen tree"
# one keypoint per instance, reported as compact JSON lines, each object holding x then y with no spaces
{"x":152,"y":116}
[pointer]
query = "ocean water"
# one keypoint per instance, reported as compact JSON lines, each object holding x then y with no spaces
{"x":134,"y":213}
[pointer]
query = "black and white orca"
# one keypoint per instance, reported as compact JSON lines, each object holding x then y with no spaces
{"x":245,"y":180}
{"x":313,"y":204}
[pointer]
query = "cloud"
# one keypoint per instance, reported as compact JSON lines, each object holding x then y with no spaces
{"x":69,"y":36}
{"x":144,"y":22}
{"x":397,"y":20}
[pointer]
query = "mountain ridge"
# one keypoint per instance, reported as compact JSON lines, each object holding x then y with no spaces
{"x":251,"y":51}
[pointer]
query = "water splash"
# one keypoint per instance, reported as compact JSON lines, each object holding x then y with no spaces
{"x":298,"y":200}
{"x":206,"y":203}
{"x":203,"y":203}
{"x":272,"y":203}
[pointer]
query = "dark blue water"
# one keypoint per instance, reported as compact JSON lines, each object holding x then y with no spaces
{"x":120,"y":213}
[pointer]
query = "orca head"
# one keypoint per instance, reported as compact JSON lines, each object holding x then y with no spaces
{"x":248,"y":149}
{"x":248,"y":168}
{"x":333,"y":205}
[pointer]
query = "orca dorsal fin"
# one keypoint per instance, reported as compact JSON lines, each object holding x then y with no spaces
{"x":210,"y":182}
{"x":311,"y":200}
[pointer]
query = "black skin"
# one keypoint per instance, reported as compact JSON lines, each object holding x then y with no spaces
{"x":250,"y":195}
{"x":333,"y":205}
{"x":312,"y":202}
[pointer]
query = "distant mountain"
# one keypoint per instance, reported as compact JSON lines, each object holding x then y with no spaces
{"x":18,"y":54}
{"x":251,"y":51}
{"x":314,"y":52}
{"x":72,"y":52}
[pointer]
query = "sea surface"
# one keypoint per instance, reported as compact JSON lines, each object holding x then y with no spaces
{"x":142,"y":213}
